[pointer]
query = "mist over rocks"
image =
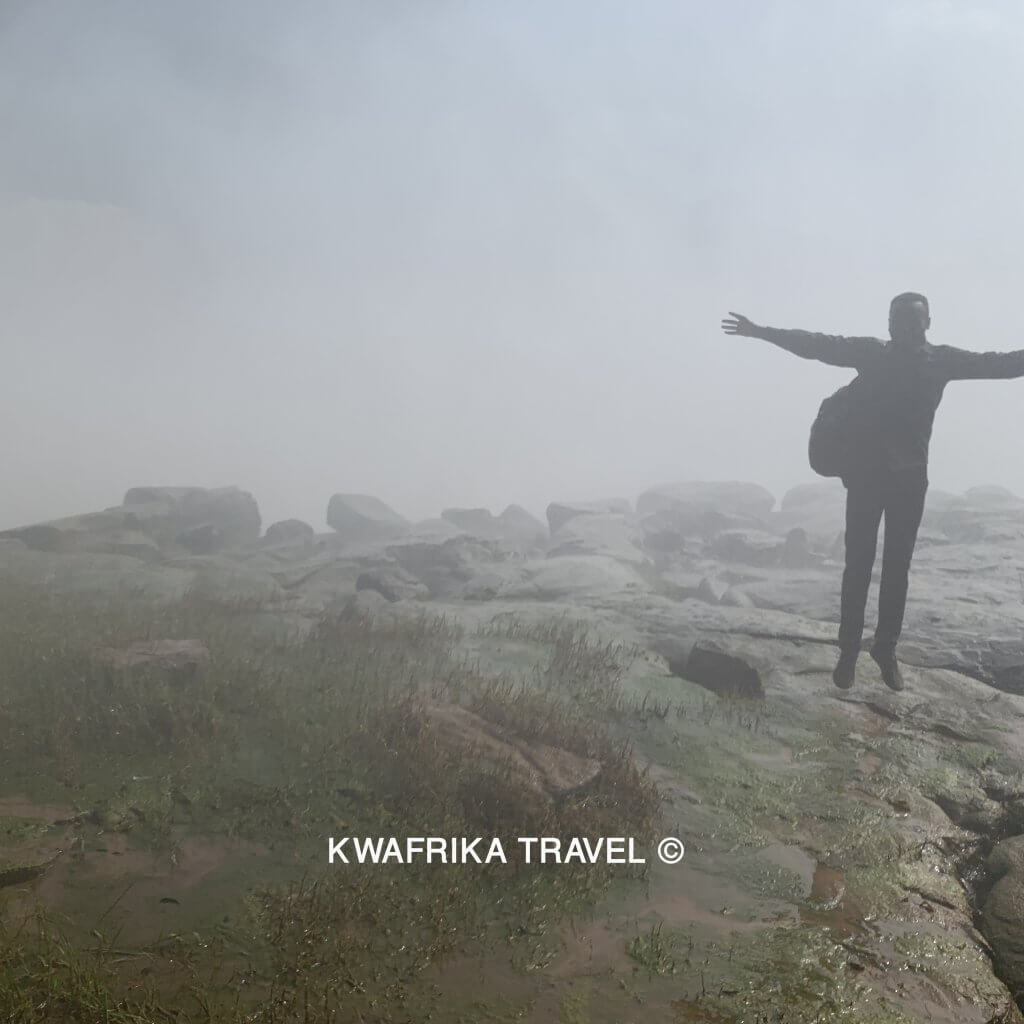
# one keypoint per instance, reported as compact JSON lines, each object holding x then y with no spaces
{"x":514,"y":526}
{"x":818,"y":508}
{"x":560,"y":512}
{"x":154,"y":522}
{"x":526,"y":530}
{"x":697,"y":545}
{"x":673,"y":513}
{"x":615,"y":536}
{"x":199,"y":519}
{"x":722,"y":590}
{"x":360,"y":517}
{"x":729,"y":497}
{"x":289,"y":531}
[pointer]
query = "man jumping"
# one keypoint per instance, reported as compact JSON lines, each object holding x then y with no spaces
{"x":903,"y":380}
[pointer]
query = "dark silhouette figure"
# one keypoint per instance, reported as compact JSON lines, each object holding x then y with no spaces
{"x":903,"y":382}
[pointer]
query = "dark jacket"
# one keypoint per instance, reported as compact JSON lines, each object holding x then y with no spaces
{"x":903,"y":385}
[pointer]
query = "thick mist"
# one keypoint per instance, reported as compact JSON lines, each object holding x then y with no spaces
{"x":473,"y":254}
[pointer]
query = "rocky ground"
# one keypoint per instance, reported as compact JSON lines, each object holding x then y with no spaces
{"x":858,"y":852}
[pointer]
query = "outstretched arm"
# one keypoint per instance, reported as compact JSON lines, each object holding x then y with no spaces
{"x":963,"y":365}
{"x":833,"y":349}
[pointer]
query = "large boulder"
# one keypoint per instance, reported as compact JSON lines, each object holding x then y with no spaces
{"x":522,"y":530}
{"x":447,"y":565}
{"x":560,"y":512}
{"x":152,"y":522}
{"x":982,"y":515}
{"x":991,"y":495}
{"x":225,"y":517}
{"x":674,"y":513}
{"x":1003,"y":914}
{"x":818,"y":508}
{"x":701,"y":497}
{"x":289,"y":531}
{"x":477,"y":522}
{"x":360,"y":517}
{"x":612,"y":535}
{"x":201,"y":520}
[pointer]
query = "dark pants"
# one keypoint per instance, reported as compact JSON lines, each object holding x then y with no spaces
{"x":902,"y":502}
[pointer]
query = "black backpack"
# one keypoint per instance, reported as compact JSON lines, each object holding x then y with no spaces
{"x":840,"y":431}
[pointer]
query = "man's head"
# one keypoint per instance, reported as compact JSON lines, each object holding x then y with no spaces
{"x":909,"y":318}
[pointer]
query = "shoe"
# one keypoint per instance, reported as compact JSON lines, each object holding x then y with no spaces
{"x":845,"y":671}
{"x":886,"y":661}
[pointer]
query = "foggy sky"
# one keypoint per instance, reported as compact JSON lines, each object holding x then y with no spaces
{"x":474,"y":253}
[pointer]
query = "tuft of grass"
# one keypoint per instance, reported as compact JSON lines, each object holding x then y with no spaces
{"x":284,"y":743}
{"x":652,"y":951}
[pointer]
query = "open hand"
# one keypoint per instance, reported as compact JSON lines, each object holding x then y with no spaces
{"x":737,"y":324}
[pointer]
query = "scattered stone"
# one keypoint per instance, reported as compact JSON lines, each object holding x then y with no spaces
{"x":712,"y":667}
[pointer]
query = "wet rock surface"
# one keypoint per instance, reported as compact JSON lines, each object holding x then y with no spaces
{"x":824,"y":827}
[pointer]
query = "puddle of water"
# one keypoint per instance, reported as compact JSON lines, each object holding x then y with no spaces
{"x":138,"y":893}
